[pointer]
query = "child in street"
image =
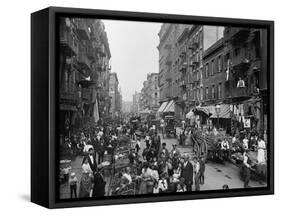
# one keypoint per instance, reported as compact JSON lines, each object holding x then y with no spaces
{"x":73,"y":185}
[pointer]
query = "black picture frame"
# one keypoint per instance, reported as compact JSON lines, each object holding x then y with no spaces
{"x":44,"y":104}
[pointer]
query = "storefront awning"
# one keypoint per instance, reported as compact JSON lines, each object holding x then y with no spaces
{"x":162,"y":107}
{"x":170,"y":107}
{"x":202,"y":111}
{"x":224,"y":111}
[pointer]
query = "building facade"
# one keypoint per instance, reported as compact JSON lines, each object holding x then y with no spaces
{"x":245,"y":60}
{"x":150,"y":93}
{"x":222,"y":69}
{"x":136,"y":106}
{"x":127,"y":107}
{"x":84,"y":62}
{"x":181,"y":49}
{"x":115,"y":95}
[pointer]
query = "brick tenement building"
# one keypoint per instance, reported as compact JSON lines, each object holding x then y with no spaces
{"x":84,"y":59}
{"x":169,"y":73}
{"x":181,"y":49}
{"x":213,"y":74}
{"x":245,"y":58}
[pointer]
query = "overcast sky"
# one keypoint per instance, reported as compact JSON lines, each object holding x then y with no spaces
{"x":133,"y":47}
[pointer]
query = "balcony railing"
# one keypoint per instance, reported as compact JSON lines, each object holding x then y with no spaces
{"x":82,"y":29}
{"x":68,"y":41}
{"x":239,"y":92}
{"x":99,"y":47}
{"x":236,"y":36}
{"x":83,"y":63}
{"x":90,"y":51}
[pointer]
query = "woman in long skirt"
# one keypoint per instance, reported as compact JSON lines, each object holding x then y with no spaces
{"x":85,"y":185}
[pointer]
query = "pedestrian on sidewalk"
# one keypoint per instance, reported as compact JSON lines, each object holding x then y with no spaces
{"x":73,"y":185}
{"x":85,"y":184}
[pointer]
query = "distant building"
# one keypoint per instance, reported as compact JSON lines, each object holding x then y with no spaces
{"x":150,"y":94}
{"x":127,"y":106}
{"x":136,"y":106}
{"x":114,"y":94}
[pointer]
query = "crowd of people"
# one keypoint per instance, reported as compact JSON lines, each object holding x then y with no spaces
{"x":94,"y":144}
{"x":153,"y":169}
{"x":159,"y":170}
{"x":156,"y":169}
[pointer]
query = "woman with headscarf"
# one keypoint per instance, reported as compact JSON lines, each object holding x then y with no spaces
{"x":85,"y":184}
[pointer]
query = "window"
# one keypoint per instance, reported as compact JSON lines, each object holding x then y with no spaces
{"x":212,"y":68}
{"x":206,"y":93}
{"x":219,"y":64}
{"x":206,"y":70}
{"x":213,"y":91}
{"x":219,"y":91}
{"x":201,"y":93}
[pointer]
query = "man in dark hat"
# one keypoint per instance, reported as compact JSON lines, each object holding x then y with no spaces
{"x":187,"y":172}
{"x":164,"y":150}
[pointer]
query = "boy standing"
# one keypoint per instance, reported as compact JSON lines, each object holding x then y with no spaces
{"x":73,"y":185}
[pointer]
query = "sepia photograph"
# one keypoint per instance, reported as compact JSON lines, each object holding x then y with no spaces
{"x":150,"y":108}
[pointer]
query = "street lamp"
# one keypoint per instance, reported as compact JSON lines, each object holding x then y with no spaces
{"x":218,"y":110}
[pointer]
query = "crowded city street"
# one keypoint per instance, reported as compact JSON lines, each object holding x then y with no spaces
{"x":217,"y":175}
{"x":150,"y":108}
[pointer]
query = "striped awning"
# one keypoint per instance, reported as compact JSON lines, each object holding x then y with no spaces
{"x":162,"y":107}
{"x":170,"y":107}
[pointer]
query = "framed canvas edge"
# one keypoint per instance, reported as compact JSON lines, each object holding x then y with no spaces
{"x":153,"y":17}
